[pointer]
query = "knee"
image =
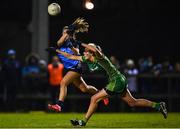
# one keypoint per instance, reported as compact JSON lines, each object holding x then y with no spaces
{"x":93,"y":99}
{"x":63,"y":83}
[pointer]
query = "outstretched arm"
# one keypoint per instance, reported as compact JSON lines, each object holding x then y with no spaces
{"x":73,"y":57}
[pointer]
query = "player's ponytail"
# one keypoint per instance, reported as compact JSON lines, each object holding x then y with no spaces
{"x":79,"y":25}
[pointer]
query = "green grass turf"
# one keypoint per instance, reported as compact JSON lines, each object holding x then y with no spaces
{"x":98,"y":120}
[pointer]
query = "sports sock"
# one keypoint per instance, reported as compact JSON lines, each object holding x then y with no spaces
{"x":156,"y":106}
{"x":60,"y":103}
{"x":85,"y":120}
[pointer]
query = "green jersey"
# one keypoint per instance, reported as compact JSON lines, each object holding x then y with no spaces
{"x":92,"y":66}
{"x":117,"y":81}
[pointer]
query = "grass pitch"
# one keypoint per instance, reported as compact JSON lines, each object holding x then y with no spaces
{"x":98,"y":120}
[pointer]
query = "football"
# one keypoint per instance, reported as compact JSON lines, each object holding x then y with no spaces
{"x":54,"y":9}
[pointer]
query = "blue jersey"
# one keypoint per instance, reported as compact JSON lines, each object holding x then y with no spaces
{"x":66,"y":47}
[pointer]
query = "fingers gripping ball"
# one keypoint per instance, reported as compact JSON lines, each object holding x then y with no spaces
{"x":54,"y":9}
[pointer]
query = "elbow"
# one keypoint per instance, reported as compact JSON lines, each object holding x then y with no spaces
{"x":59,"y":44}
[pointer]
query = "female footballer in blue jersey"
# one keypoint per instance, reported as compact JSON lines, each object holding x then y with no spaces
{"x":68,"y":43}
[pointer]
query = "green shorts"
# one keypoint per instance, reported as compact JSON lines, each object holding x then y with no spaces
{"x":117,"y":85}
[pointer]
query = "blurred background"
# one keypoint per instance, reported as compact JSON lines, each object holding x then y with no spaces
{"x":140,"y":37}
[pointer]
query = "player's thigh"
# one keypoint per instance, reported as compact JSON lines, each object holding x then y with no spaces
{"x":69,"y":77}
{"x":80,"y":83}
{"x":127,"y":97}
{"x":99,"y":96}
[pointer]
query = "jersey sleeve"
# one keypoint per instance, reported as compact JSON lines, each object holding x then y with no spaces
{"x":76,"y":43}
{"x":69,"y":43}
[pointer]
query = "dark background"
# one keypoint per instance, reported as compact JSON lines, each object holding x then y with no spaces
{"x":127,"y":29}
{"x":131,"y":28}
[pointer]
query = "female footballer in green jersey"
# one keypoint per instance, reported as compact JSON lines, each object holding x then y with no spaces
{"x":117,"y":84}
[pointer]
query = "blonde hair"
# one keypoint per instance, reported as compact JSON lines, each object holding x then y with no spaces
{"x":92,"y":44}
{"x":80,"y":25}
{"x":96,"y":46}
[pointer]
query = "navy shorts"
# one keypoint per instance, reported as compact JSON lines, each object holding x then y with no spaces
{"x":77,"y":68}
